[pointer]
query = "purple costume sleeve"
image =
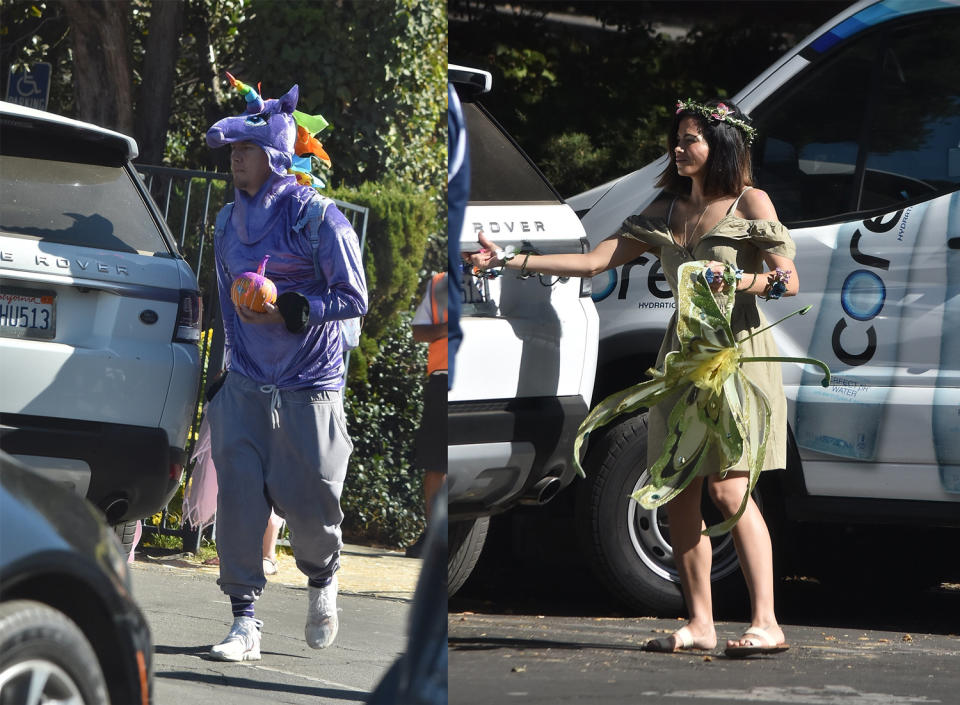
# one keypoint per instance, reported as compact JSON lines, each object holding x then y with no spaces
{"x":228,"y":318}
{"x":341,"y":290}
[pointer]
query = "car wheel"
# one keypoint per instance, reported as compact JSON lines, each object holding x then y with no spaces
{"x":44,"y":657}
{"x":466,"y":540}
{"x":629,"y":546}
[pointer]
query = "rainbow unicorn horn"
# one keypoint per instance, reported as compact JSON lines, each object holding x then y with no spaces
{"x":254,"y":101}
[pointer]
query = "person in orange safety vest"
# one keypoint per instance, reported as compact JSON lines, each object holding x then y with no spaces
{"x":430,"y":326}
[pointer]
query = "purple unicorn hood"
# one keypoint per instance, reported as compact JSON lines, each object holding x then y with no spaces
{"x":267,"y":123}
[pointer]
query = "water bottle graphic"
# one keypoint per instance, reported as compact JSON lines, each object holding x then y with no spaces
{"x":946,"y":399}
{"x":857,"y":335}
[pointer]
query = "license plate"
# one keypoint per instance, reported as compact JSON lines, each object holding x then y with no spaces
{"x":476,"y":290}
{"x":27,"y":313}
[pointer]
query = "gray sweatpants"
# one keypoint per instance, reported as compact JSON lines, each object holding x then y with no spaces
{"x":280,"y":448}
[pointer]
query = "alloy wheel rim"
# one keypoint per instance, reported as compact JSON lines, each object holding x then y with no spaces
{"x":649,"y":533}
{"x":37,"y":681}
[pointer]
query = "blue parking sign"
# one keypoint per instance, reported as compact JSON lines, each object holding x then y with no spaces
{"x":30,"y":88}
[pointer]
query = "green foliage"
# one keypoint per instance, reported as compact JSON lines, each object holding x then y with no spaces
{"x":574,"y":161}
{"x":401,"y":218}
{"x":211,"y":41}
{"x":590,"y":102}
{"x":528,"y":69}
{"x":574,"y":110}
{"x":375,"y":70}
{"x":33,"y":32}
{"x":383,"y":494}
{"x":435,"y":257}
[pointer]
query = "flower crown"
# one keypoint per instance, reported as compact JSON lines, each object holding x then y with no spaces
{"x":719,"y":112}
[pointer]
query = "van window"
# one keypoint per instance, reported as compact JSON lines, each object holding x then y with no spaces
{"x":499,"y":170}
{"x":874,"y":125}
{"x":809,"y":136}
{"x":915,"y":121}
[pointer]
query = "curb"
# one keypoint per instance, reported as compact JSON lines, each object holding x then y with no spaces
{"x":373,"y":572}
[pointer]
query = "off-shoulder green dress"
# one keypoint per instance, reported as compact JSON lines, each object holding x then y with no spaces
{"x":740,"y":242}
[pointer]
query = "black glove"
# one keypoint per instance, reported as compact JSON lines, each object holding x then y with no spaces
{"x":295,"y":310}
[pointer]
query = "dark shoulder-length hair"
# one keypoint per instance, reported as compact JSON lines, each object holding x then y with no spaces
{"x":728,"y":169}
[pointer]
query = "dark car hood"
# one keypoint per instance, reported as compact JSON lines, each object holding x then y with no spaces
{"x":38,"y":515}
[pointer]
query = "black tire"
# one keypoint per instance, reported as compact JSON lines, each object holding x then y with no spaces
{"x":627,"y":546}
{"x":38,"y":641}
{"x":466,"y":539}
{"x":127,"y":533}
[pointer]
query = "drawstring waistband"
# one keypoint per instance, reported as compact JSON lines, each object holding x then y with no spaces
{"x":274,"y":393}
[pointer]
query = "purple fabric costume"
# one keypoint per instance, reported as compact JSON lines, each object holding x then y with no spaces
{"x":275,"y":222}
{"x":278,"y":435}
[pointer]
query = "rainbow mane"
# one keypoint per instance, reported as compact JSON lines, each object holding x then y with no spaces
{"x":276,"y":124}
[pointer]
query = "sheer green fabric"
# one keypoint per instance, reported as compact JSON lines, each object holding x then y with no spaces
{"x":714,"y":416}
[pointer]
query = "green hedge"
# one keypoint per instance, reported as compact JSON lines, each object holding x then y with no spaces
{"x":375,"y":70}
{"x":383,"y":493}
{"x":401,"y":219}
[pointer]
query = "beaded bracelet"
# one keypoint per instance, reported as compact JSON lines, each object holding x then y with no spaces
{"x":524,"y":274}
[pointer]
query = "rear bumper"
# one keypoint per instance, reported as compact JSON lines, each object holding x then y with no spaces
{"x":505,"y":452}
{"x":133,"y":470}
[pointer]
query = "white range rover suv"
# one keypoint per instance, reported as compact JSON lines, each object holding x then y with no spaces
{"x":510,"y":433}
{"x":99,"y":317}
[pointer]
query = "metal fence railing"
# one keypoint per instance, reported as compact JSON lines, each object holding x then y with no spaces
{"x":189,"y":202}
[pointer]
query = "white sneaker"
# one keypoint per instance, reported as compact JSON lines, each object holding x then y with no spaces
{"x":242,"y":643}
{"x":322,"y":622}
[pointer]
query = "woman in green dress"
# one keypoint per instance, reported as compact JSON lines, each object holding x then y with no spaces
{"x":709,"y":211}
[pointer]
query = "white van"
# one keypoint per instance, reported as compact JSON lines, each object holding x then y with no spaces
{"x":859,"y":148}
{"x":526,"y":366}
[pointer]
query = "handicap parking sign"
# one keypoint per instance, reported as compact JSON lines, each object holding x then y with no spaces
{"x":30,"y":88}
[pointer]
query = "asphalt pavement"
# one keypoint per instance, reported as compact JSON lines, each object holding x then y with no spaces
{"x":542,"y":636}
{"x":188,"y":613}
{"x":544,"y":659}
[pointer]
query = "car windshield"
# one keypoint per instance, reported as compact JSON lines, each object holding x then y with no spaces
{"x":91,"y":205}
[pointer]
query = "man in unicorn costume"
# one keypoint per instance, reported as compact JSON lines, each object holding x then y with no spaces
{"x":278,"y":434}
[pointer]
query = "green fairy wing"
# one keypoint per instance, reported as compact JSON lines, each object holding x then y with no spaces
{"x":750,"y":413}
{"x":718,"y":415}
{"x":707,"y":351}
{"x":699,"y":314}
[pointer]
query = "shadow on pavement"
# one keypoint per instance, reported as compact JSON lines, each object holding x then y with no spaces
{"x":181,"y":650}
{"x":487,"y":643}
{"x":265,"y":688}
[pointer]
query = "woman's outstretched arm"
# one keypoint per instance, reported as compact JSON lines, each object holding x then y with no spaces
{"x":610,"y":253}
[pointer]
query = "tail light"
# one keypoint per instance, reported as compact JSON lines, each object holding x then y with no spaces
{"x":187,"y":329}
{"x":586,"y":283}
